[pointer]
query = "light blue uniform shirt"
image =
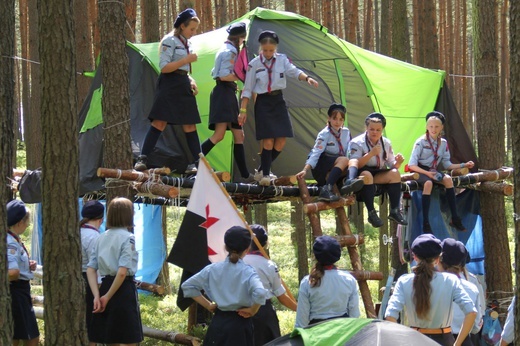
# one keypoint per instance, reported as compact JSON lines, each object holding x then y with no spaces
{"x":446,"y":289}
{"x":458,"y":315}
{"x":336,"y":295}
{"x":113,"y":249}
{"x":231,"y":286}
{"x":172,"y":49}
{"x":359,"y":147}
{"x":422,"y":153}
{"x":327,"y":143}
{"x":89,"y":236}
{"x":268,"y":273}
{"x":224,"y":61}
{"x":508,"y":333}
{"x":17,"y":258}
{"x":257,"y":76}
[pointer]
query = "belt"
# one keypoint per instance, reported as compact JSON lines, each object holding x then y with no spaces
{"x":181,"y":72}
{"x":444,"y":330}
{"x":272,"y":93}
{"x":127,"y":278}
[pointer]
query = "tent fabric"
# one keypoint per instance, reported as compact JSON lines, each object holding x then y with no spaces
{"x":364,"y":81}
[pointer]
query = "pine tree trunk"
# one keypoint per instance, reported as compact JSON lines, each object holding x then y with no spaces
{"x":429,"y":35}
{"x":117,"y":150}
{"x":150,"y":21}
{"x":491,"y":147}
{"x":290,"y":5}
{"x":352,"y":21}
{"x":385,"y":46}
{"x":25,"y":92}
{"x":367,"y":27}
{"x":93,"y":20}
{"x":62,"y":283}
{"x":7,"y":109}
{"x":84,"y":58}
{"x":400,"y":39}
{"x":131,"y":20}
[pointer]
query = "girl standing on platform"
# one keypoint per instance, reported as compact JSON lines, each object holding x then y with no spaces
{"x":379,"y":165}
{"x":174,"y":101}
{"x":116,"y":316}
{"x":92,"y":215}
{"x":223,"y":109}
{"x":428,"y":296}
{"x":19,"y":269}
{"x":430,"y":155}
{"x":267,"y":77}
{"x":327,"y":292}
{"x":235,"y":289}
{"x":328,"y":156}
{"x":265,"y":322}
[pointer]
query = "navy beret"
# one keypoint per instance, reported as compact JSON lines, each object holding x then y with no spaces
{"x":336,"y":107}
{"x":93,"y":210}
{"x":269,"y":33}
{"x":377,"y":116}
{"x":439,"y":115}
{"x":237,"y":238}
{"x":237,"y":29}
{"x":15,"y":212}
{"x":184,"y":16}
{"x":454,"y":252}
{"x":426,"y":246}
{"x":326,"y":250}
{"x":260,"y":233}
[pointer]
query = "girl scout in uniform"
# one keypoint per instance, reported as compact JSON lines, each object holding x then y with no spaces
{"x":327,"y":292}
{"x":377,"y":163}
{"x":428,"y":296}
{"x":92,"y":215}
{"x":267,"y":76}
{"x":19,"y":269}
{"x":174,"y":101}
{"x":235,"y":290}
{"x":116,"y":316}
{"x":265,"y":322}
{"x":223,"y":108}
{"x":328,"y":156}
{"x":430,"y":155}
{"x":452,"y":261}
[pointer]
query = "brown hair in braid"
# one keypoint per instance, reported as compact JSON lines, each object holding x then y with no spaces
{"x":422,"y":286}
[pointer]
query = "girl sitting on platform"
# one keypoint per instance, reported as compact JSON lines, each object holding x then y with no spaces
{"x":431,"y":154}
{"x":327,"y":292}
{"x":376,"y":161}
{"x":328,"y":155}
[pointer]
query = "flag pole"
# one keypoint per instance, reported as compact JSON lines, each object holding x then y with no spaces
{"x":258,"y":245}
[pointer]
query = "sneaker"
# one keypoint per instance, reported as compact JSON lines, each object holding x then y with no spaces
{"x":265,"y":181}
{"x":374,"y":220}
{"x":326,"y":194}
{"x":140,"y":164}
{"x":191,"y":169}
{"x":249,"y":180}
{"x":260,"y":174}
{"x":352,"y":186}
{"x":457,"y":223}
{"x":427,"y":228}
{"x":396,"y":215}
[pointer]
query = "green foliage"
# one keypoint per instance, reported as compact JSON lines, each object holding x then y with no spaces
{"x":21,"y":155}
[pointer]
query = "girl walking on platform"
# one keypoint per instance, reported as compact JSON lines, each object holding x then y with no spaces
{"x":174,"y":101}
{"x":267,"y":77}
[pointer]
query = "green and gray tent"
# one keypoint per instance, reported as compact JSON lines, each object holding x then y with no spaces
{"x":362,"y":80}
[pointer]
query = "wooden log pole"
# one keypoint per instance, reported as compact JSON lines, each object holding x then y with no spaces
{"x":319,"y":206}
{"x":157,"y":189}
{"x":457,"y":172}
{"x":159,"y":171}
{"x":286,"y":180}
{"x":157,"y":289}
{"x":494,"y":187}
{"x":350,"y":240}
{"x":313,"y":217}
{"x":129,"y":175}
{"x":409,"y":176}
{"x":363,"y":275}
{"x":223,"y":176}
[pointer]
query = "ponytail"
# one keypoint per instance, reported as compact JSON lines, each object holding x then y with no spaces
{"x":316,"y":274}
{"x":422,"y":286}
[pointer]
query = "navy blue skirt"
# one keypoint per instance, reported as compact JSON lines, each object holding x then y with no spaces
{"x":266,"y":324}
{"x":228,"y":328}
{"x":272,"y":119}
{"x":25,"y":325}
{"x":223,"y":105}
{"x":89,"y":302}
{"x":323,"y":167}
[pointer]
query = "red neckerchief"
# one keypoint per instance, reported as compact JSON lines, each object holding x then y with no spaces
{"x":338,"y":139}
{"x":435,"y":153}
{"x":370,"y":146}
{"x":269,"y":70}
{"x":86,"y":225}
{"x":185,"y":43}
{"x":19,"y":241}
{"x":256,"y":252}
{"x":329,"y":267}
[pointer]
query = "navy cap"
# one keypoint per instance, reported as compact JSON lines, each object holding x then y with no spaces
{"x":454,"y":252}
{"x":237,"y":238}
{"x":336,"y":107}
{"x":184,"y":16}
{"x":326,"y":250}
{"x":269,"y":33}
{"x":426,"y":246}
{"x":237,"y":29}
{"x":377,"y":116}
{"x":260,"y":233}
{"x":93,"y":210}
{"x":439,"y":115}
{"x":15,"y":212}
